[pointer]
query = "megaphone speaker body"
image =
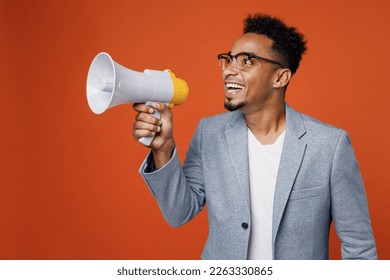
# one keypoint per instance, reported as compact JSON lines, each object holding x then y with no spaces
{"x":110,"y":84}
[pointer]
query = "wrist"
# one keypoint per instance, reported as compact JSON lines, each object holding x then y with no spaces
{"x":163,"y":154}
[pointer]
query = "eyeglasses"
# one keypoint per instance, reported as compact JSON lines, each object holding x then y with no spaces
{"x":243,"y":60}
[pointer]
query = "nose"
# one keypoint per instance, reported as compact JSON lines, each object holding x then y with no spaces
{"x":231,"y":69}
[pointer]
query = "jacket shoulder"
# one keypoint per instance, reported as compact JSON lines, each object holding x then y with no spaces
{"x":321,"y":132}
{"x":312,"y":123}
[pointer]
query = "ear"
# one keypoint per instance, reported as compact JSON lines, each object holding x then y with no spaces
{"x":282,"y":79}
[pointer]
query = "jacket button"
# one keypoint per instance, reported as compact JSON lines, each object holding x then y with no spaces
{"x":244,"y":225}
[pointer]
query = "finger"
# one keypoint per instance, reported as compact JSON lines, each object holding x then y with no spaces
{"x":163,"y":109}
{"x":137,"y":134}
{"x":147,"y":118}
{"x":158,"y":106}
{"x":141,"y":107}
{"x":146,"y":126}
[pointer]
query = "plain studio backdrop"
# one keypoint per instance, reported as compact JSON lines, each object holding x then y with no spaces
{"x":70,"y":187}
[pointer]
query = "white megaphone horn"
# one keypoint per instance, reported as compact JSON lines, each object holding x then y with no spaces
{"x":110,"y":84}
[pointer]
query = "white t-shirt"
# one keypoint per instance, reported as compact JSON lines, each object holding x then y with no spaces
{"x":263,"y":169}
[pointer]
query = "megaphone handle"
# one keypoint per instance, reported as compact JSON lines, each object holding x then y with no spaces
{"x":148,"y":140}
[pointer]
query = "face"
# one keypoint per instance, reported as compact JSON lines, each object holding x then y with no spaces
{"x":249,"y":89}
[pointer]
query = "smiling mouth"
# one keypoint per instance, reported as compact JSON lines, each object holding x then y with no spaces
{"x":233,"y":87}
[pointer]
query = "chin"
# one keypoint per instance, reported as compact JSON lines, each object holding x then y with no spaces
{"x":233,"y":107}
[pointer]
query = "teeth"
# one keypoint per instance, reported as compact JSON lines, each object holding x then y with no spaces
{"x":234,"y":86}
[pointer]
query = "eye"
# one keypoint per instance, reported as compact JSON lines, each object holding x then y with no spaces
{"x":245,"y":60}
{"x":248,"y":61}
{"x":229,"y":59}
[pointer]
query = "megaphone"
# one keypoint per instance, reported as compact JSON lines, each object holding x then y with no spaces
{"x":110,"y":84}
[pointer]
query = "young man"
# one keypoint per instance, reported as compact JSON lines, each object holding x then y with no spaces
{"x":273,"y":179}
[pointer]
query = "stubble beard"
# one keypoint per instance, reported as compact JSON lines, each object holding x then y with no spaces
{"x":233,"y":107}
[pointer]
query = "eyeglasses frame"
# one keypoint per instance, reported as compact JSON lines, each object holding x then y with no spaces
{"x":250,"y":56}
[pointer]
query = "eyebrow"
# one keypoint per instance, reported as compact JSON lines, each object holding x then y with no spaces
{"x":252,"y":53}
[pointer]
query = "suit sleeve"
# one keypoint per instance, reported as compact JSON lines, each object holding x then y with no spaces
{"x":349,"y":206}
{"x":179,"y":191}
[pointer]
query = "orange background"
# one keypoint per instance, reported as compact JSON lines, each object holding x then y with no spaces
{"x":70,"y":187}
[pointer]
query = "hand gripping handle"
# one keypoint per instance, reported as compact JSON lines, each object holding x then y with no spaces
{"x":148,"y":140}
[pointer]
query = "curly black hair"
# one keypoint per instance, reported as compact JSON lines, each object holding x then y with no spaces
{"x":288,"y":43}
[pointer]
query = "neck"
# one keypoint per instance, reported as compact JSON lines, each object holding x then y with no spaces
{"x":268,"y":122}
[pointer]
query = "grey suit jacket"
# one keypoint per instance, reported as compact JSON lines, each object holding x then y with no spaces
{"x":318,"y":181}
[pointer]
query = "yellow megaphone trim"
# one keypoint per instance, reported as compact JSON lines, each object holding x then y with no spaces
{"x":180,"y":90}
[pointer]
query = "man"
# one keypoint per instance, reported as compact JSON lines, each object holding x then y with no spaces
{"x":273,"y":179}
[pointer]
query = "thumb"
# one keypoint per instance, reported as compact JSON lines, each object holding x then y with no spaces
{"x":163,"y":109}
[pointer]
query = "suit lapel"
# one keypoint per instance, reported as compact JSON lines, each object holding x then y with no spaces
{"x":237,"y":143}
{"x":292,"y":155}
